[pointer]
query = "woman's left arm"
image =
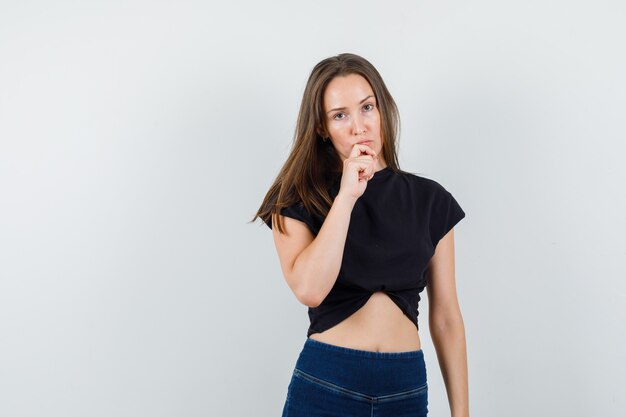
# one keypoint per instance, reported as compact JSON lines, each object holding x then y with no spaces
{"x":446,"y":325}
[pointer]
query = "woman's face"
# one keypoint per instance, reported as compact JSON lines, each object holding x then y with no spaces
{"x":352,"y":116}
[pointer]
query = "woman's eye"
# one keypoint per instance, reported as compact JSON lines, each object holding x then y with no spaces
{"x":369,"y":106}
{"x":336,"y":117}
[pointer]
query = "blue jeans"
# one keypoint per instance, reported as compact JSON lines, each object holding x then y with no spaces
{"x":330,"y":380}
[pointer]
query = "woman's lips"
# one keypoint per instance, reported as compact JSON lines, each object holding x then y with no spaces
{"x":365,"y":142}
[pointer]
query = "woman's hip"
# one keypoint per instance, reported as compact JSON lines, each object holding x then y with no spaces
{"x":344,"y":381}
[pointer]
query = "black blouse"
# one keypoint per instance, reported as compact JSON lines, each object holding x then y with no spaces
{"x":394,"y":229}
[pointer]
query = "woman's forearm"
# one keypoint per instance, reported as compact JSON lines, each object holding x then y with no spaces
{"x":449,"y":342}
{"x":317,"y":267}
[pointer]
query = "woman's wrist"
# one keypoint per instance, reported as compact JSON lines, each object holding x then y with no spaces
{"x":346,"y":200}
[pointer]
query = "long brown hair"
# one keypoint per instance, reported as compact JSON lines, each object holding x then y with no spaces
{"x":308,"y":171}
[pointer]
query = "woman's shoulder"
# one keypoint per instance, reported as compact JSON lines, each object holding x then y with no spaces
{"x":421,"y":181}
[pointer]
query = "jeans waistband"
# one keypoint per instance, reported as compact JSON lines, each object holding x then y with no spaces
{"x":316,"y":344}
{"x":376,"y":373}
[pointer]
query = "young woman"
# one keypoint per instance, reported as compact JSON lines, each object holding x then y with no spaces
{"x":358,"y":240}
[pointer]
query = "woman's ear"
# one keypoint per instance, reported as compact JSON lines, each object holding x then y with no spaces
{"x":321,"y":131}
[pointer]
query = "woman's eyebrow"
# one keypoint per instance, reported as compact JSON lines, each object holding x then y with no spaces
{"x":342,"y":108}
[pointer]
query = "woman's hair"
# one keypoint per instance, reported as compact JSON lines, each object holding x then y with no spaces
{"x":310,"y":167}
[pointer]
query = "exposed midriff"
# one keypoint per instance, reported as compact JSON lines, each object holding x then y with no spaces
{"x":378,"y":326}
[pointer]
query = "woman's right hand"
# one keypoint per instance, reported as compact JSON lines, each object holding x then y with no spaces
{"x":358,"y":169}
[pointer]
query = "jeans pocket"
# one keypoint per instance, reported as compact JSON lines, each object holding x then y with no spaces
{"x":419,"y":391}
{"x":329,"y":386}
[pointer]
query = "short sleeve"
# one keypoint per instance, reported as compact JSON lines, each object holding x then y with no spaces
{"x":298,"y":211}
{"x":446,"y":213}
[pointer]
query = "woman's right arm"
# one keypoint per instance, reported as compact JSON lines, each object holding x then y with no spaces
{"x":311,"y":264}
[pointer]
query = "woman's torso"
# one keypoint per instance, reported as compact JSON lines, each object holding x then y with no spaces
{"x":378,"y":326}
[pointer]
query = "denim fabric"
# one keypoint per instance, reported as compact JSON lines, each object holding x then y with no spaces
{"x":336,"y":381}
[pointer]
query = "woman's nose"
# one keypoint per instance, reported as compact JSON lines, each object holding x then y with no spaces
{"x":358,"y":125}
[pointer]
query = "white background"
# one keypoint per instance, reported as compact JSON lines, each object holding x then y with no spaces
{"x":138,"y":138}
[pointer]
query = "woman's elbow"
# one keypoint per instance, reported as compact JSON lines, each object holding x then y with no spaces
{"x":446,"y":322}
{"x":308,"y":298}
